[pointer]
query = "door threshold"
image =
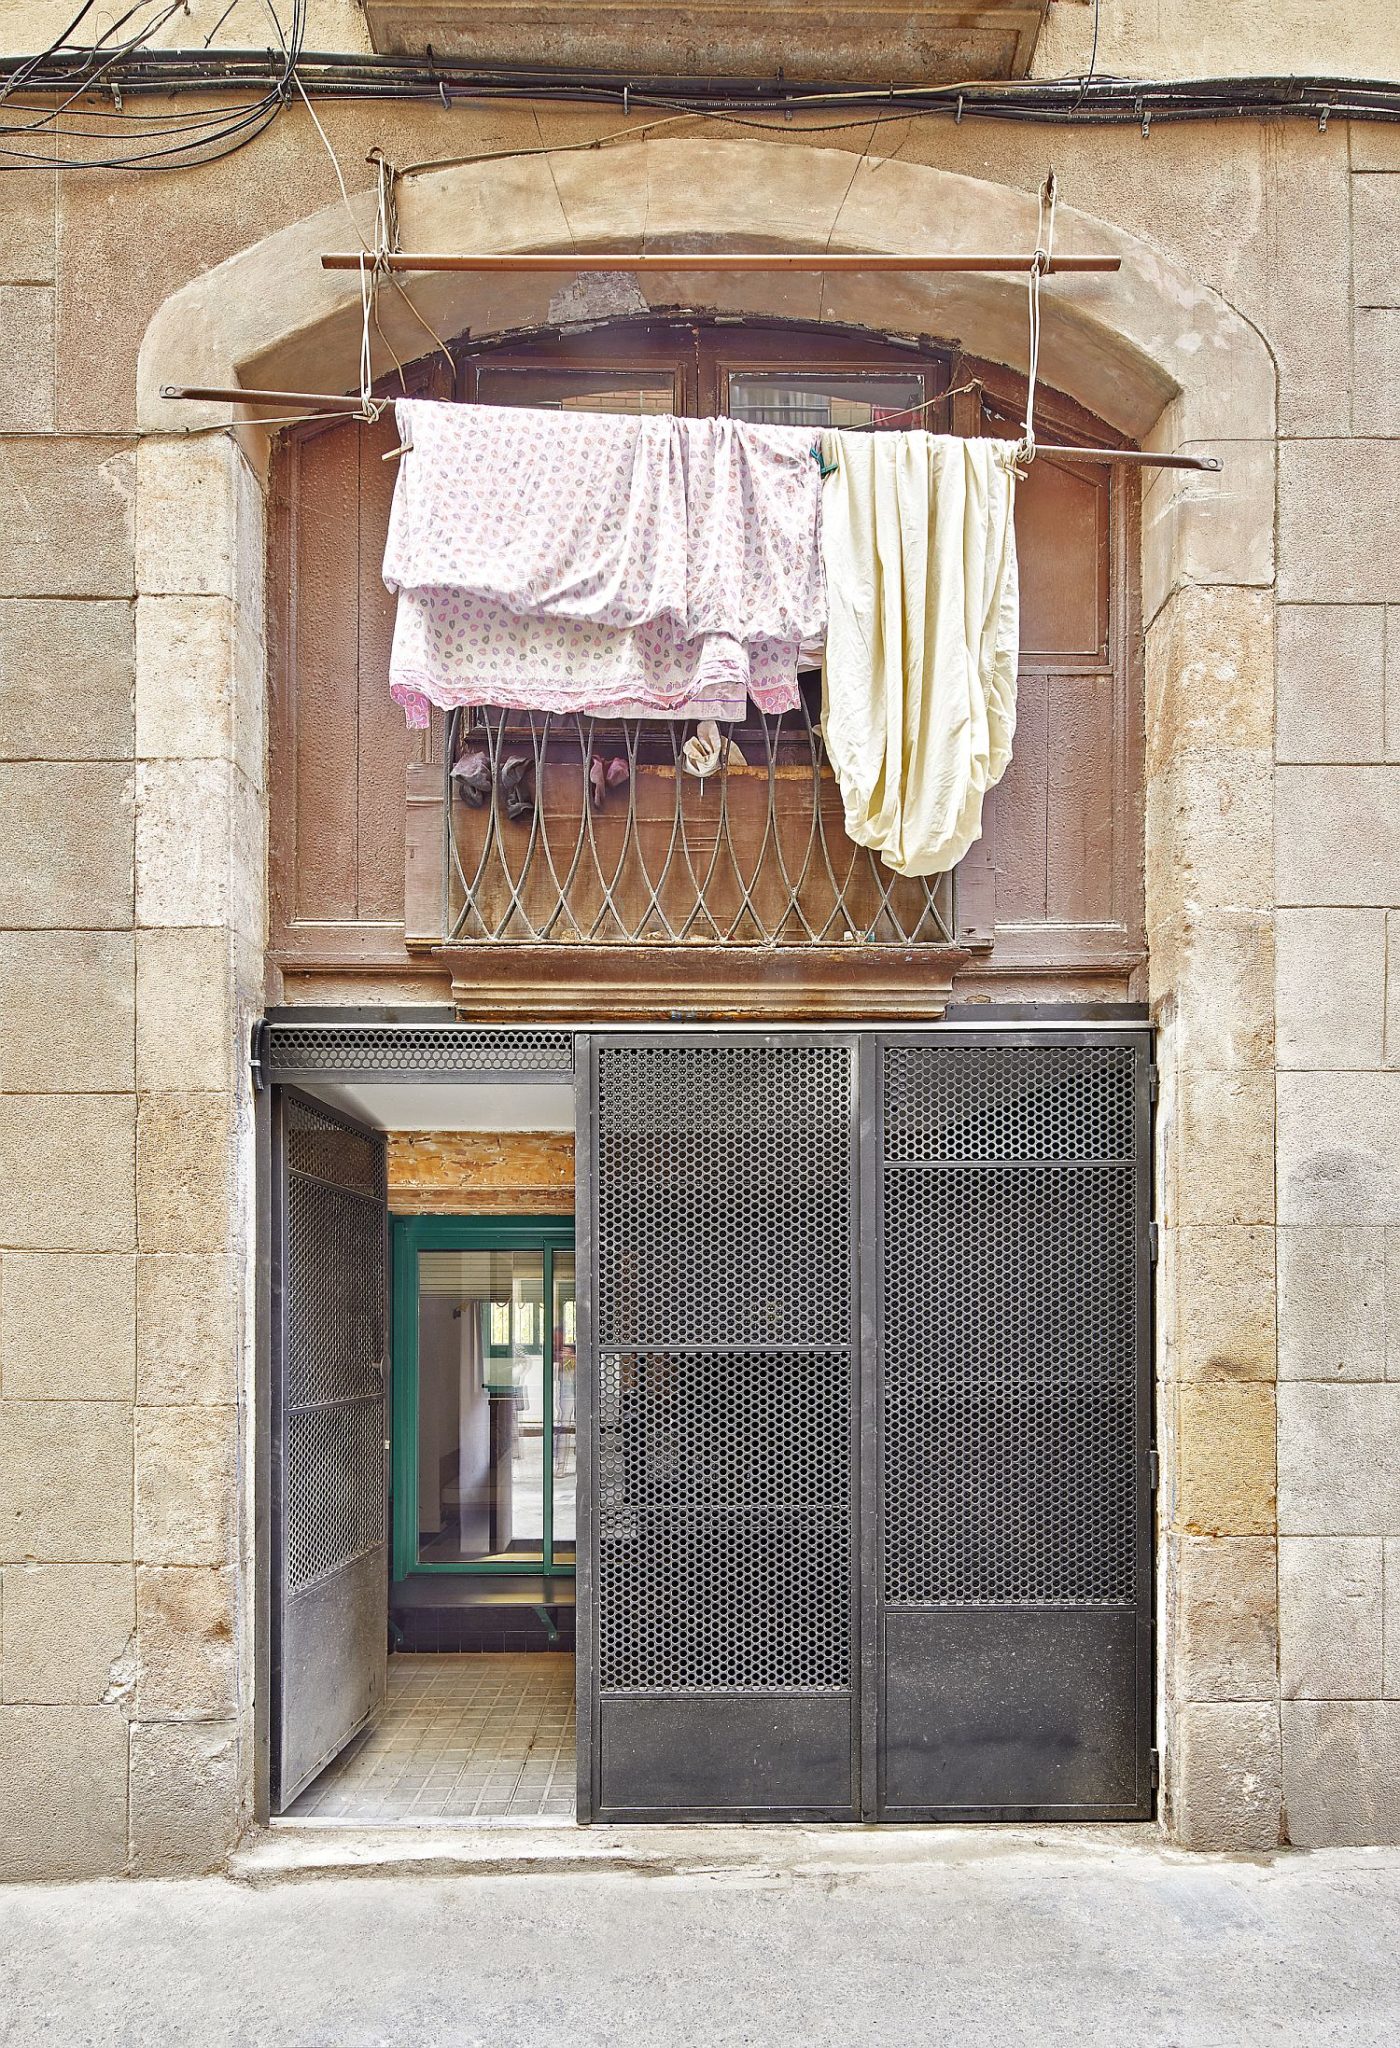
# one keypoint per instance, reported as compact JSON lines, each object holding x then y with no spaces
{"x":347,"y":1823}
{"x":537,"y":1846}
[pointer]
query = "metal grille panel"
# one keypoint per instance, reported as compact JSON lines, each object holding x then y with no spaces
{"x":308,"y":1050}
{"x":724,"y":1522}
{"x":333,"y":1344}
{"x":725,"y":1194}
{"x":1018,"y":1102}
{"x":724,"y":1413}
{"x":323,"y":1147}
{"x":755,"y":854}
{"x":1010,"y":1326}
{"x":335,"y":1329}
{"x":335,"y":1489}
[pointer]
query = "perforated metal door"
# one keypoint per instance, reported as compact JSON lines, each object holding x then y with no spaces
{"x":719,"y":1571}
{"x":328,"y":1468}
{"x":1014,"y":1524}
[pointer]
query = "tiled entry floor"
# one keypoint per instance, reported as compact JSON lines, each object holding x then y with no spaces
{"x":461,"y":1738}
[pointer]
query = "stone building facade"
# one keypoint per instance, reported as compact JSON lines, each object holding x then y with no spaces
{"x":1257,"y":316}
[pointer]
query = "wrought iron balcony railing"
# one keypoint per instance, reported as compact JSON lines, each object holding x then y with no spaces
{"x":566,"y":830}
{"x":563,"y":833}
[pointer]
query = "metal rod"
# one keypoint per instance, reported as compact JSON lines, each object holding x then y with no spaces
{"x":235,"y":394}
{"x":718,"y":259}
{"x":1136,"y":458}
{"x":322,"y":401}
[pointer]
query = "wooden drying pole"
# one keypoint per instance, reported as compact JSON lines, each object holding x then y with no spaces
{"x":333,"y":403}
{"x":718,"y":259}
{"x":653,"y":260}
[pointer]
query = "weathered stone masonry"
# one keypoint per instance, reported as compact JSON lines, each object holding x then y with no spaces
{"x":1255,"y":316}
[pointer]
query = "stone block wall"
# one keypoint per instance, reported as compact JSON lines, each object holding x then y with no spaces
{"x":1338,"y":973}
{"x":131,"y":926}
{"x":132,"y":906}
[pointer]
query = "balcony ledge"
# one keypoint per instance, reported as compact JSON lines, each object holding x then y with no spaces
{"x":937,"y":43}
{"x":503,"y":984}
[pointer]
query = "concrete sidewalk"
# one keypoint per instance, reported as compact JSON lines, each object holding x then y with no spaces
{"x":795,"y":1939}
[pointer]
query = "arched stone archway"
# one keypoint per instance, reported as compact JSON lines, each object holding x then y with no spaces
{"x":1150,"y":350}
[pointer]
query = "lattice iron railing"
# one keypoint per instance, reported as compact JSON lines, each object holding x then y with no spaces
{"x":566,"y":830}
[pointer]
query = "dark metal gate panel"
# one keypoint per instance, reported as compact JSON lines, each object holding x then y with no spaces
{"x":719,"y":1348}
{"x":1014,"y":1533}
{"x":328,"y":1468}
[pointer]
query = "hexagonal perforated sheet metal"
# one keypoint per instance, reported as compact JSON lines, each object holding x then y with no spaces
{"x":724,"y":1210}
{"x":334,"y":1343}
{"x":311,"y":1049}
{"x":724,"y":1413}
{"x":1010,"y":1326}
{"x":1018,"y":1102}
{"x":724,"y":1522}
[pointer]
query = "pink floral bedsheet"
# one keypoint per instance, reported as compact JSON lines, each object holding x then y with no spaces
{"x":554,"y":561}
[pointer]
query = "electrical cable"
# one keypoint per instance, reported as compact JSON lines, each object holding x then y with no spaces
{"x":27,"y":66}
{"x":1093,"y":54}
{"x":129,"y":140}
{"x":204,"y":137}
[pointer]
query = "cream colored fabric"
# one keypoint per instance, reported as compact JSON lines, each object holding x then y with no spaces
{"x":919,"y":682}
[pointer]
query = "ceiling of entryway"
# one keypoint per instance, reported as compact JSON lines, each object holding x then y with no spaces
{"x":451,"y":1105}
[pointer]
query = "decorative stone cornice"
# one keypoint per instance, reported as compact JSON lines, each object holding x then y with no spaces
{"x":879,"y":42}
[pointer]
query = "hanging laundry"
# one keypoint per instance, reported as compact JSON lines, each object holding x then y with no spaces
{"x":626,"y":566}
{"x":705,"y":753}
{"x":471,"y":770}
{"x":919,"y":682}
{"x":605,"y":775}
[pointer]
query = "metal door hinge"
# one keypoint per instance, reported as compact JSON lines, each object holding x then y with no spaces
{"x":1154,"y":1471}
{"x":1154,"y":1767}
{"x":1152,"y":1239}
{"x":1152,"y":1081}
{"x":257,"y":1054}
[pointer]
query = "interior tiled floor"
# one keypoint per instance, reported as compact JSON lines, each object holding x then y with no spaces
{"x":461,"y":1738}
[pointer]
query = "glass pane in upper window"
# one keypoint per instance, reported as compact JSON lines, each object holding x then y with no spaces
{"x":580,"y":390}
{"x":796,"y":399}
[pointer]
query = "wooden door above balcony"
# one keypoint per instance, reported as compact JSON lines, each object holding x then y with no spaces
{"x":357,"y":874}
{"x":875,"y":42}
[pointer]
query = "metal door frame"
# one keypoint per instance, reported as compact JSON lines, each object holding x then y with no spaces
{"x":412,"y":1235}
{"x":345,"y":1044}
{"x":1138,"y":1036}
{"x":587,"y":1045}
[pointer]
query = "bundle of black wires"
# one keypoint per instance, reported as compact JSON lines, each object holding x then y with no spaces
{"x":78,"y":104}
{"x":82,"y":124}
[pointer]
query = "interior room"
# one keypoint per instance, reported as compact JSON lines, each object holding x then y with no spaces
{"x":477,"y":1716}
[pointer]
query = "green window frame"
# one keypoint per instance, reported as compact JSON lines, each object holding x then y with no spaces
{"x":412,"y":1235}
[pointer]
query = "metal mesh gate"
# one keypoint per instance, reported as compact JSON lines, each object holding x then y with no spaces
{"x":328,"y":1448}
{"x":863,"y":1420}
{"x":1009,"y":1354}
{"x":975,"y":1203}
{"x":1013,"y":1425}
{"x":723,"y":1431}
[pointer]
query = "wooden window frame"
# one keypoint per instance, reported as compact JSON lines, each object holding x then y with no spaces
{"x":1053,"y":954}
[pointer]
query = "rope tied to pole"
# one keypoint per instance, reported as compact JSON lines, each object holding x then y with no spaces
{"x":1046,"y":200}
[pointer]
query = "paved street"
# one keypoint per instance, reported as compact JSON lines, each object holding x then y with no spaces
{"x":654,"y":1938}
